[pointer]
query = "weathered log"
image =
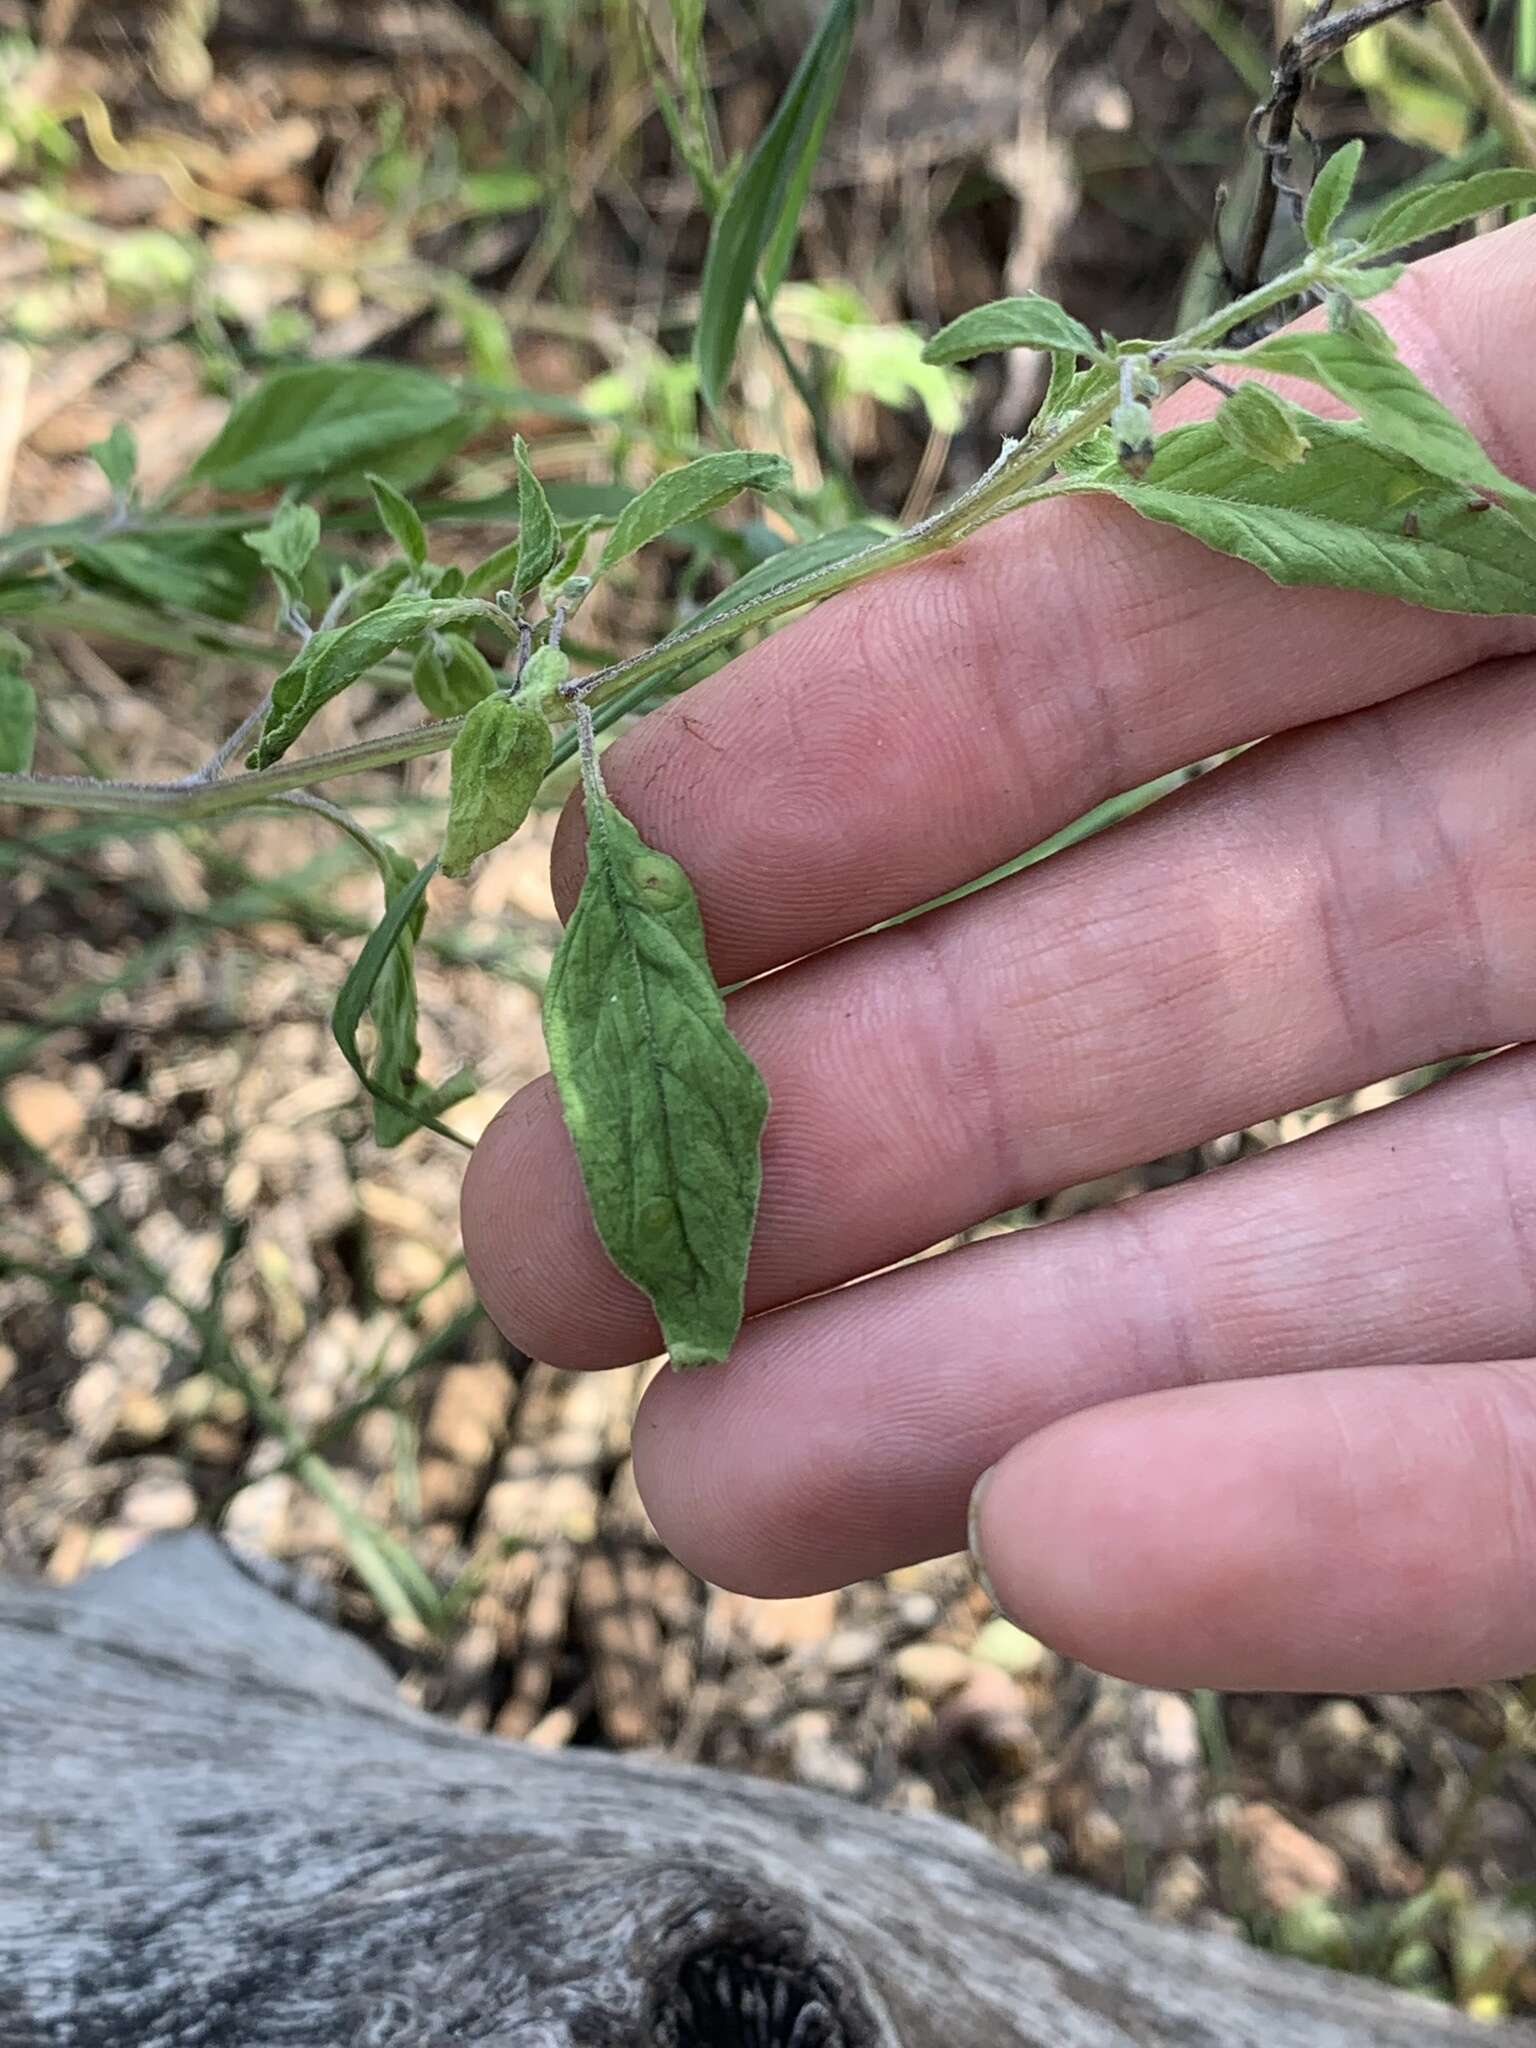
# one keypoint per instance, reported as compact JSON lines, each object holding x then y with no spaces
{"x":220,"y":1829}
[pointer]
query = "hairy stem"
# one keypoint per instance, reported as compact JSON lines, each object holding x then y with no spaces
{"x":1020,"y":475}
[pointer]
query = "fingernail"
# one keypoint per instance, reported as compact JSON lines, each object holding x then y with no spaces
{"x":973,"y":1537}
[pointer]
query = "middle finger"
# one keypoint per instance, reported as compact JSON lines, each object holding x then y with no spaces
{"x":1332,"y":907}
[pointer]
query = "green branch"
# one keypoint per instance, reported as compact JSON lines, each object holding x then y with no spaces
{"x":1020,"y":474}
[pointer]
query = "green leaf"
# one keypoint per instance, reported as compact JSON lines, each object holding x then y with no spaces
{"x":1353,"y":516}
{"x":538,"y":535}
{"x":1330,"y":193}
{"x":1030,"y":322}
{"x":665,"y":1109}
{"x":1361,"y":366}
{"x":1365,"y":284}
{"x":1262,"y":426}
{"x":117,"y":457}
{"x":496,"y":572}
{"x":399,"y":519}
{"x":575,"y":548}
{"x":1058,"y":389}
{"x":287,"y":545}
{"x":337,"y":657}
{"x":451,"y":675}
{"x":24,"y":596}
{"x":688,"y":493}
{"x":407,"y":464}
{"x":321,"y":418}
{"x":499,"y":759}
{"x":547,"y":668}
{"x":1413,"y":216}
{"x":198,"y":571}
{"x":18,"y":723}
{"x":569,"y":500}
{"x":788,"y":565}
{"x":1077,"y":389}
{"x":754,"y":232}
{"x":383,"y":976}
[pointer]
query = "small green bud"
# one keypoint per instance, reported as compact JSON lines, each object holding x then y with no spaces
{"x":1261,"y":426}
{"x":1131,"y":425}
{"x":499,"y":760}
{"x":564,"y":594}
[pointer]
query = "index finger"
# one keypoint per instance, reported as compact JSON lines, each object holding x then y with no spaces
{"x":920,"y":730}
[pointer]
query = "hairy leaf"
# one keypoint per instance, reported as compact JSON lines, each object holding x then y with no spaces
{"x":1262,"y":426}
{"x":496,"y":572}
{"x":451,"y":675}
{"x":547,"y":669}
{"x":500,"y":757}
{"x":1353,"y":516}
{"x":400,"y":520}
{"x":1031,"y":322}
{"x":1330,"y":192}
{"x":664,"y":1108}
{"x":319,"y":419}
{"x":117,"y":457}
{"x":383,"y":980}
{"x":1413,"y":216}
{"x":801,"y":558}
{"x":1081,"y":388}
{"x":1363,"y":284}
{"x":538,"y":535}
{"x":1362,"y":367}
{"x":571,"y":556}
{"x":337,"y":657}
{"x":287,"y":545}
{"x":18,"y":723}
{"x":190,"y":571}
{"x":688,"y":493}
{"x":754,"y":232}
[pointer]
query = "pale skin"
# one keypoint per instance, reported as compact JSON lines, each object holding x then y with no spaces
{"x":1272,"y":1428}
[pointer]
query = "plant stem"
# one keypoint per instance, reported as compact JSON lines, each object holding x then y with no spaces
{"x":1020,"y":474}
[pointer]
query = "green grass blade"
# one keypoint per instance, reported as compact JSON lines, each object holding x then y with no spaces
{"x":754,"y":233}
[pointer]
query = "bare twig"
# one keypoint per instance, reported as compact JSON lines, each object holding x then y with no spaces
{"x":1321,"y":36}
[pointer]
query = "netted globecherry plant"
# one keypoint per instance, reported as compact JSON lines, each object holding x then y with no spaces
{"x":664,"y":1107}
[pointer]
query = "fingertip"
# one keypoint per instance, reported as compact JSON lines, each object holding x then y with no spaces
{"x":568,"y":856}
{"x":533,"y":1255}
{"x":1330,"y":1531}
{"x":722,"y":1514}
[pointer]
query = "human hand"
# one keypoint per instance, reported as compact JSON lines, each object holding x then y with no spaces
{"x":1275,"y":1427}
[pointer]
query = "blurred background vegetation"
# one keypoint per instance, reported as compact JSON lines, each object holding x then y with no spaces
{"x":219,"y":1299}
